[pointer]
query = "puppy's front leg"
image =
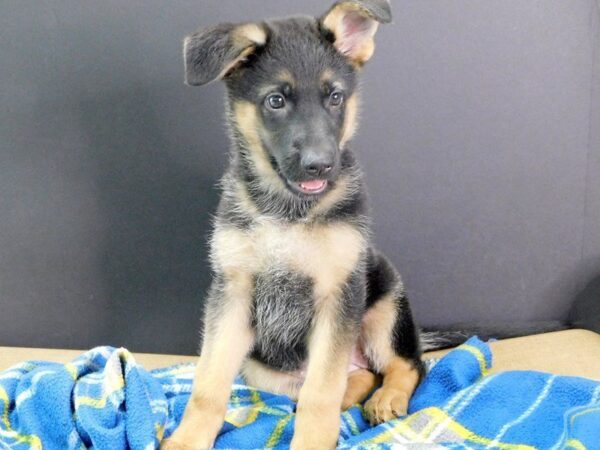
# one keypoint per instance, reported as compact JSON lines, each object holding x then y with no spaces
{"x":319,"y":403}
{"x":227,"y":339}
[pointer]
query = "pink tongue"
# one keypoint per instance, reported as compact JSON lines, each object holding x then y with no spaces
{"x":312,"y":185}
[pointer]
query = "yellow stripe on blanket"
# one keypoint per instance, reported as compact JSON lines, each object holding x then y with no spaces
{"x":277,"y":432}
{"x":31,"y":439}
{"x":441,"y":416}
{"x":183,"y":369}
{"x":241,"y":415}
{"x":437,"y":416}
{"x":351,"y":422}
{"x":72,"y":370}
{"x":159,"y":429}
{"x":485,"y":370}
{"x":402,"y":428}
{"x":576,"y":444}
{"x":115,"y":383}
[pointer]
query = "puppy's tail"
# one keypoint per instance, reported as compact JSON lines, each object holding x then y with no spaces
{"x":438,"y":340}
{"x":433,"y":339}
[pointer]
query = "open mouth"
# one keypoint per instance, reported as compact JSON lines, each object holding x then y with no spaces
{"x":310,"y":187}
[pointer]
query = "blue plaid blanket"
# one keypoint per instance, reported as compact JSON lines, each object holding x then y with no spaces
{"x":104,"y":400}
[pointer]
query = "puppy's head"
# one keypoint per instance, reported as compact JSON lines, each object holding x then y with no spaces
{"x":291,"y":88}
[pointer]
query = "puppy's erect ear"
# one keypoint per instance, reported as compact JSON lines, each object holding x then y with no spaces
{"x":212,"y":53}
{"x":353,"y":24}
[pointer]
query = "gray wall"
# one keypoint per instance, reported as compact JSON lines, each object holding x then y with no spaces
{"x":591,"y":241}
{"x":480,"y":139}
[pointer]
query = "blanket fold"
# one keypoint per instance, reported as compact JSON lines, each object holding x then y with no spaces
{"x":105,"y":400}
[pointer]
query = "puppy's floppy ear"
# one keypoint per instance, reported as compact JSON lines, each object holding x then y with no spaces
{"x":353,"y":24}
{"x":212,"y":53}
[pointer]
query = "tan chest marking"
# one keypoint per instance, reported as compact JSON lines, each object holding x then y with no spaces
{"x":326,"y":253}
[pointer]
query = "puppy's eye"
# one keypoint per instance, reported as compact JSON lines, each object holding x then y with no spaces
{"x":336,"y":98}
{"x":275,"y":101}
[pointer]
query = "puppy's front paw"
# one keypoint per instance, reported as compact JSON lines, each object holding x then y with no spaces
{"x":180,"y":440}
{"x":317,"y":427}
{"x":312,"y":443}
{"x":169,"y":444}
{"x":387,"y":403}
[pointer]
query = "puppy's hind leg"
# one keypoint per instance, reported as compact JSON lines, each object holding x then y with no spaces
{"x":390,"y":341}
{"x":360,"y":384}
{"x":228,"y":338}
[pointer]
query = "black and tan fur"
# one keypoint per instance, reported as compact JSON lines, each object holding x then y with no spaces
{"x":296,"y":279}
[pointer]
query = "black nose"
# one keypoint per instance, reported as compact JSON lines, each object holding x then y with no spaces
{"x":317,"y":166}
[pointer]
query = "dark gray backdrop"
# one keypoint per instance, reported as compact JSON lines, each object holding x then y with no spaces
{"x":480,"y":139}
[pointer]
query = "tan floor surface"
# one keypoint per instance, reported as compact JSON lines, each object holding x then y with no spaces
{"x":571,"y":352}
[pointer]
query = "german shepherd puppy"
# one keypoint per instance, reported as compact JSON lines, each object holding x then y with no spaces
{"x":299,"y":296}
